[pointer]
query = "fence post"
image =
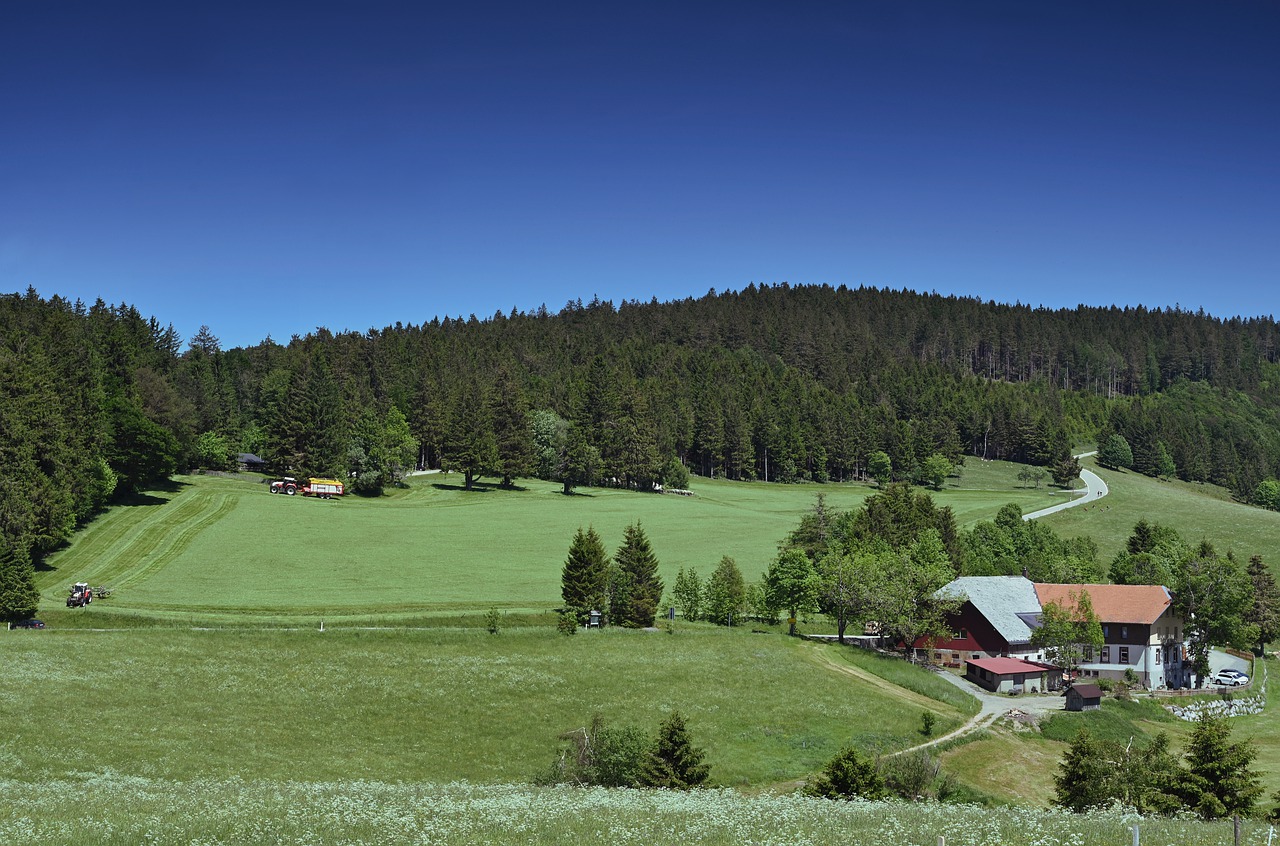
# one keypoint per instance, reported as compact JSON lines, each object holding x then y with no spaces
{"x":942,"y":840}
{"x":1136,"y":835}
{"x":1235,"y":829}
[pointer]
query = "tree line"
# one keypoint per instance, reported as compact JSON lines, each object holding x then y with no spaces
{"x":781,"y":383}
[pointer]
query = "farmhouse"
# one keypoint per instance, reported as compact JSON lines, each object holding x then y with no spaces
{"x":1139,"y":629}
{"x":996,"y":620}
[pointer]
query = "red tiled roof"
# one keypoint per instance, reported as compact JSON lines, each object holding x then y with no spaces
{"x":1139,"y":604}
{"x":1004,"y":666}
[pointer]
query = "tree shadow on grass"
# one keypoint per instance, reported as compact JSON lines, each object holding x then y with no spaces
{"x":478,"y":487}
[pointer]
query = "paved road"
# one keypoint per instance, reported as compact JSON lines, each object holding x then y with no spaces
{"x":1095,"y":489}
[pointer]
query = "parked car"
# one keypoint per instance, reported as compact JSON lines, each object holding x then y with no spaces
{"x":1229,"y":678}
{"x":29,"y":624}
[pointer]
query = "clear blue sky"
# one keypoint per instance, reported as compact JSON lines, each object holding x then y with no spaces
{"x":268,"y":168}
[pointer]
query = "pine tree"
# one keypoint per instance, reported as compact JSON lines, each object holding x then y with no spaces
{"x":1086,"y":776}
{"x":583,"y":580}
{"x":675,"y":763}
{"x":639,"y":588}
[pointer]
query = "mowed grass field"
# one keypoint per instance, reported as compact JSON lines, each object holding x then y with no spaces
{"x":224,"y":547}
{"x":436,"y":705}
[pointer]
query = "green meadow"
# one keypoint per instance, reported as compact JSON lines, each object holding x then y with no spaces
{"x":1197,"y":511}
{"x":208,"y":672}
{"x":224,"y":548}
{"x":436,"y":705}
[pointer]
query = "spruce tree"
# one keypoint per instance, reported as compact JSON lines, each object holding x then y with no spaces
{"x":583,"y":579}
{"x":1266,"y":603}
{"x":847,"y":776}
{"x":1220,"y":779}
{"x":675,"y":763}
{"x":18,"y":595}
{"x":640,"y":587}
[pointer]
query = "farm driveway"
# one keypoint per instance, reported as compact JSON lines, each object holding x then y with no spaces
{"x":1095,"y":489}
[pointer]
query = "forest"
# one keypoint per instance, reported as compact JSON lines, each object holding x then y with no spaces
{"x":777,"y":383}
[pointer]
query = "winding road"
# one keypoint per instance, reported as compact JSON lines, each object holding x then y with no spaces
{"x":1095,"y":489}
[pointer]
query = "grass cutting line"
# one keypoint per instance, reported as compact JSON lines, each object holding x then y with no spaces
{"x":165,"y":547}
{"x":135,"y":547}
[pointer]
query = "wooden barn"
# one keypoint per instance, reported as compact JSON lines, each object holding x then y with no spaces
{"x":1084,"y":697}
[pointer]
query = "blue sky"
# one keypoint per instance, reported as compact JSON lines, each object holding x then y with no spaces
{"x":267,"y":169}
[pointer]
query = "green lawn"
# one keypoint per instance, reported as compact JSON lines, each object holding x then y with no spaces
{"x":222,"y":547}
{"x":433,"y":705}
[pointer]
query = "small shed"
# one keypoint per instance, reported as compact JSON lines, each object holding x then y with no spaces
{"x":1084,"y":697}
{"x":249,"y":461}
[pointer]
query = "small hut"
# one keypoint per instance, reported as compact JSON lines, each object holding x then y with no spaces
{"x":1084,"y":697}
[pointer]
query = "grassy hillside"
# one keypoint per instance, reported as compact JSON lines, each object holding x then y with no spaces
{"x":437,"y":705}
{"x":221,"y":546}
{"x":1197,"y":511}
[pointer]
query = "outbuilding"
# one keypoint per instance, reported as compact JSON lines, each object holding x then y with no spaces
{"x":1008,"y":675}
{"x":1084,"y":697}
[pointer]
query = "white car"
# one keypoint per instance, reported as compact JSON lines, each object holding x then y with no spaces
{"x":1229,"y":678}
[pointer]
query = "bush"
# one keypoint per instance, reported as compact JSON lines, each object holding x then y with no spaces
{"x":567,"y":623}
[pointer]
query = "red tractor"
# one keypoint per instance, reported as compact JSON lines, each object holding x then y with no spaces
{"x":81,"y":595}
{"x":322,"y":488}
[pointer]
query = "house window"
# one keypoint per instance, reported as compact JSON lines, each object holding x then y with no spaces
{"x":937,"y":656}
{"x":1106,"y":654}
{"x":1157,"y":655}
{"x":1124,"y":655}
{"x":1088,"y":653}
{"x":1124,"y":632}
{"x":977,"y":655}
{"x":964,"y":634}
{"x":1106,"y":631}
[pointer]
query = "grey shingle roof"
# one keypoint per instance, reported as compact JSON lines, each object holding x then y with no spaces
{"x":1003,"y":600}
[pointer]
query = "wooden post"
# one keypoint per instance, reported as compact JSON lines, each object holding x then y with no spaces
{"x":1235,"y":829}
{"x":942,"y":840}
{"x":1136,"y":835}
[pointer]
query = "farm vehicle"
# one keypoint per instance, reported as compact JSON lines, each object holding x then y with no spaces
{"x":81,"y":595}
{"x":322,"y":488}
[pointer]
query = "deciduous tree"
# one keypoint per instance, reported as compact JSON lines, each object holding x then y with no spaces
{"x":726,"y":592}
{"x":792,"y":585}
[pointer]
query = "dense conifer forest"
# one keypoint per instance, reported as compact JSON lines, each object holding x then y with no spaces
{"x":779,"y":383}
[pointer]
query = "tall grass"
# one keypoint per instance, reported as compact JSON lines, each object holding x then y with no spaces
{"x":111,"y":810}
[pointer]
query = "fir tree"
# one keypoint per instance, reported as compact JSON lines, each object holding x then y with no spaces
{"x":18,"y":595}
{"x":635,"y":602}
{"x":1266,"y":603}
{"x":675,"y":763}
{"x":847,"y":776}
{"x":583,"y":579}
{"x":1220,"y":779}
